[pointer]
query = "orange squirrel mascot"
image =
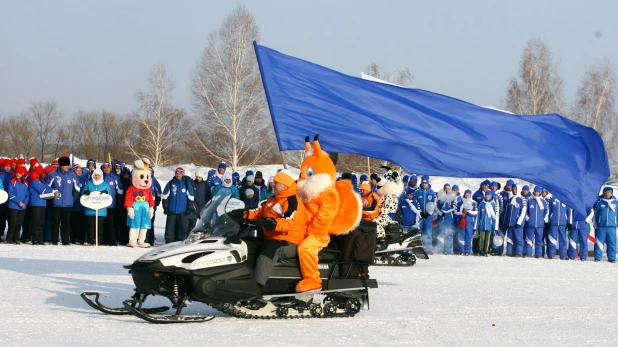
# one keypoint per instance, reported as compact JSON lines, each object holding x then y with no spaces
{"x":332,"y":208}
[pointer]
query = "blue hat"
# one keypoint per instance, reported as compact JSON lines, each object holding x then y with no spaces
{"x":455,"y":187}
{"x":364,"y":178}
{"x":514,"y":186}
{"x":249,"y":173}
{"x":510,"y":182}
{"x":413,"y":178}
{"x":489,"y":192}
{"x":468,"y":191}
{"x":211,"y":173}
{"x":538,"y":189}
{"x":91,"y":162}
{"x":526,"y":187}
{"x":494,"y":184}
{"x":406,"y":178}
{"x":608,"y":189}
{"x":446,"y":185}
{"x":485,"y":183}
{"x":410,"y":191}
{"x":354,"y":179}
{"x":235,"y":177}
{"x":222,"y":165}
{"x":425,"y":179}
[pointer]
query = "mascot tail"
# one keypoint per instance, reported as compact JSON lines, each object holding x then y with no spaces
{"x":350,"y":209}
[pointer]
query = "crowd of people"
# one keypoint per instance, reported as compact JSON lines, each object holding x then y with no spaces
{"x":44,"y":206}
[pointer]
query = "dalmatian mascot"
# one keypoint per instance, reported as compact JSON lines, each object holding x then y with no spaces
{"x":139,"y":203}
{"x":389,"y":190}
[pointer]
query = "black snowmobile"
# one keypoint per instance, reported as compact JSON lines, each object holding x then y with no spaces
{"x":399,"y":248}
{"x":205,"y":268}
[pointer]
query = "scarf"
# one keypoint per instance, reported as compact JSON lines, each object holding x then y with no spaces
{"x":412,"y":207}
{"x":539,"y":201}
{"x":609,"y":203}
{"x":490,"y":209}
{"x":99,"y":181}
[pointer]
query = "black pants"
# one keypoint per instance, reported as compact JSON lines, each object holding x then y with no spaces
{"x":175,"y":227}
{"x":92,"y":228}
{"x":109,"y":236}
{"x":150,"y":236}
{"x":120,"y":220}
{"x":26,"y":234}
{"x":191,"y":224}
{"x":37,"y":214}
{"x":4,"y":216}
{"x":16,"y":219}
{"x":78,"y":227}
{"x":61,"y":218}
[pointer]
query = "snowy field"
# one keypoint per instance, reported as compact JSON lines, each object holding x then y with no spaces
{"x":446,"y":300}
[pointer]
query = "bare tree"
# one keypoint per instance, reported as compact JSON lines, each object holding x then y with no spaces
{"x":228,"y":95}
{"x":538,"y":87}
{"x":595,"y":104}
{"x":401,"y":77}
{"x":20,"y":135}
{"x":160,"y":123}
{"x":46,"y":120}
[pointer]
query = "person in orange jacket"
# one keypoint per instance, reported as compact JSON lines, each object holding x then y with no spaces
{"x":282,"y":218}
{"x":371,"y":202}
{"x":333,"y":208}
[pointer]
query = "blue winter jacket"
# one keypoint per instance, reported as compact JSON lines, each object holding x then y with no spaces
{"x":36,"y":188}
{"x":114,"y":187}
{"x":156,"y":191}
{"x":447,"y":211}
{"x":411,"y":212}
{"x":515,"y":211}
{"x":81,"y":180}
{"x":176,"y":194}
{"x":424,"y":196}
{"x":5,"y":178}
{"x":471,"y":215}
{"x":265,"y":194}
{"x":233,"y":190}
{"x":478,"y":196}
{"x":18,"y":192}
{"x":606,"y":213}
{"x":559,"y":212}
{"x":90,"y":186}
{"x":506,"y":199}
{"x":67,"y":184}
{"x":537,"y":213}
{"x":484,"y":220}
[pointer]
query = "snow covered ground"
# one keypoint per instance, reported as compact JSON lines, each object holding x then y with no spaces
{"x":446,"y":300}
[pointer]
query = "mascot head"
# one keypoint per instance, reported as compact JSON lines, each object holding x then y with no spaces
{"x":317,"y":172}
{"x":140,"y":177}
{"x":389,"y":183}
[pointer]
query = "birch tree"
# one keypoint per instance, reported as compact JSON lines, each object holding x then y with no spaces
{"x":538,"y":87}
{"x":45,"y":119}
{"x":228,"y":96}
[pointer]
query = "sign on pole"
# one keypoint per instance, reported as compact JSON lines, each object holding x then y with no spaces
{"x":96,"y":201}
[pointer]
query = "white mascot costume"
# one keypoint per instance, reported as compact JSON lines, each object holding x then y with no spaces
{"x":139,"y":203}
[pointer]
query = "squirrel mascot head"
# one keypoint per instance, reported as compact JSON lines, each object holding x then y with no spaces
{"x":140,"y":177}
{"x":317,"y":172}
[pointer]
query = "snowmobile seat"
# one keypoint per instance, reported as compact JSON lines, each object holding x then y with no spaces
{"x":327,"y":255}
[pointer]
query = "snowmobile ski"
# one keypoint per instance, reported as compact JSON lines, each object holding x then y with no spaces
{"x":134,"y":308}
{"x":96,"y":304}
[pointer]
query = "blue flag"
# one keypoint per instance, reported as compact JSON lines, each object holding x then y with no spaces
{"x":430,"y":133}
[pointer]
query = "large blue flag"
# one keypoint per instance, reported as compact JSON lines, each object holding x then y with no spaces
{"x":430,"y":133}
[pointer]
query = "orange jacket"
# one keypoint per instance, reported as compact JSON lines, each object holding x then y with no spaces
{"x":289,"y":212}
{"x":321,"y":211}
{"x":371,"y":206}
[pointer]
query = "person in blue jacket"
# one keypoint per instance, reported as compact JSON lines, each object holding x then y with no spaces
{"x":115,"y":188}
{"x":487,"y":221}
{"x":91,"y":165}
{"x":514,"y":217}
{"x":467,"y":209}
{"x":537,"y":213}
{"x":605,"y":222}
{"x":40,"y":193}
{"x":178,"y":201}
{"x":355,"y":183}
{"x":445,"y":209}
{"x":236,"y":179}
{"x":66,"y":183}
{"x":559,"y":214}
{"x":410,"y":209}
{"x":227,"y":186}
{"x":96,"y":184}
{"x":456,"y":218}
{"x":5,"y":177}
{"x":269,"y":190}
{"x":424,"y":196}
{"x":18,"y":203}
{"x":78,"y":220}
{"x":525,"y":192}
{"x":156,"y":194}
{"x":505,"y":197}
{"x":579,"y":233}
{"x":479,"y":195}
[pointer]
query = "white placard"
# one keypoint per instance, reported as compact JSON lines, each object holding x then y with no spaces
{"x":3,"y":196}
{"x":96,"y":200}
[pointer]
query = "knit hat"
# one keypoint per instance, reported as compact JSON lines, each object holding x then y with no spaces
{"x":105,"y":164}
{"x":425,"y":179}
{"x":258,"y":174}
{"x":49,"y":169}
{"x":413,"y":178}
{"x":493,"y":184}
{"x":363,"y":178}
{"x":76,"y":166}
{"x":21,"y":161}
{"x":249,"y":173}
{"x":6,"y":162}
{"x":538,"y":189}
{"x":468,"y":191}
{"x":485,"y":183}
{"x":21,"y":170}
{"x":91,"y":162}
{"x":64,"y":161}
{"x":455,"y":187}
{"x":250,"y":178}
{"x":446,"y":185}
{"x":365,"y":186}
{"x":608,"y":189}
{"x":33,"y":161}
{"x":409,"y":191}
{"x":249,"y":192}
{"x":489,"y":192}
{"x":285,"y":177}
{"x":222,"y":166}
{"x":346,"y":176}
{"x":406,"y":178}
{"x":201,"y":172}
{"x":374,"y":176}
{"x":118,"y":165}
{"x":179,"y":170}
{"x":235,"y":176}
{"x":34,"y":176}
{"x":514,"y":186}
{"x":526,"y":187}
{"x":54,"y":162}
{"x":354,"y":179}
{"x":14,"y":161}
{"x":510,"y":182}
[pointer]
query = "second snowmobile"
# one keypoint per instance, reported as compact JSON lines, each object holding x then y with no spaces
{"x":400,"y":248}
{"x":207,"y":269}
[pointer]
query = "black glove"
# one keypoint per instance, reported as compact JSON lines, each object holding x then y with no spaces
{"x":236,"y":214}
{"x":517,"y":226}
{"x":104,"y":191}
{"x":268,"y":223}
{"x":569,"y":226}
{"x":86,"y":192}
{"x":425,"y":215}
{"x":164,"y":211}
{"x":187,"y":212}
{"x":235,"y":239}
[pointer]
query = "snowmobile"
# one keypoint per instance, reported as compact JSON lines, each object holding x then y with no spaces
{"x":207,"y":269}
{"x":400,"y":248}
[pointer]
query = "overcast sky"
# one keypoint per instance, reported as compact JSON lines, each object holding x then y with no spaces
{"x":90,"y":55}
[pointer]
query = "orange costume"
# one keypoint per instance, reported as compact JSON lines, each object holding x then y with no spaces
{"x":332,"y":208}
{"x":371,"y":203}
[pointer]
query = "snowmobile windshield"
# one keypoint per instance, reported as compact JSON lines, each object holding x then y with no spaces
{"x":214,"y":220}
